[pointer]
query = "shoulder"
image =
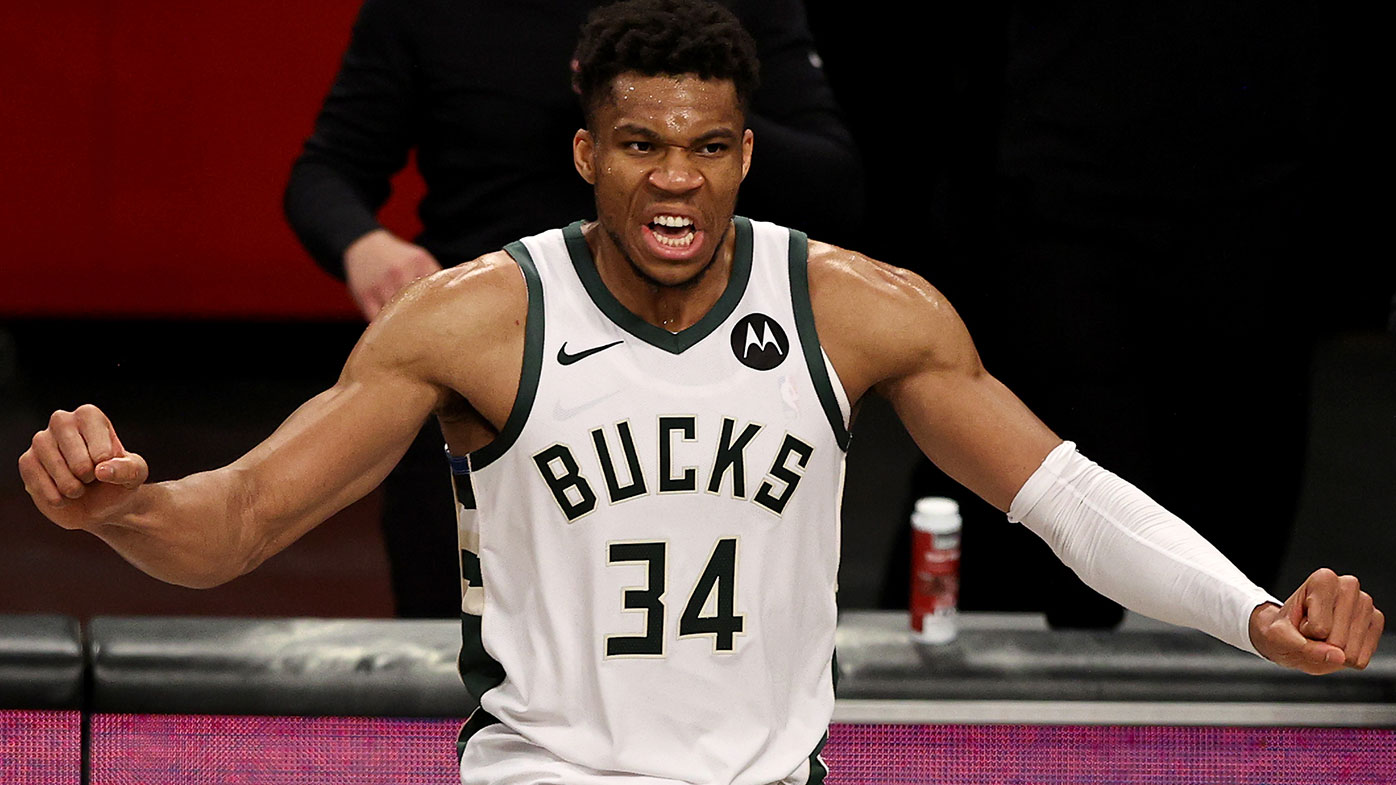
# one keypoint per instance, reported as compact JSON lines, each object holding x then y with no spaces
{"x":376,"y":17}
{"x":402,"y":13}
{"x":837,"y":274}
{"x":450,"y":317}
{"x":766,"y":19}
{"x":878,"y":322}
{"x":474,"y":294}
{"x":400,"y":26}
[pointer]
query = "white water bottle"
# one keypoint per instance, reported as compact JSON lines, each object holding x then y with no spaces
{"x":935,"y":569}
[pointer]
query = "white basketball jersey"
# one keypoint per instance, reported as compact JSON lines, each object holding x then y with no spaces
{"x":650,"y":546}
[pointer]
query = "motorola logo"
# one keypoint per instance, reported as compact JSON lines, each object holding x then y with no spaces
{"x":760,"y":343}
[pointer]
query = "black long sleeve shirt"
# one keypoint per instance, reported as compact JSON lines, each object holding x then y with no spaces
{"x":482,"y":92}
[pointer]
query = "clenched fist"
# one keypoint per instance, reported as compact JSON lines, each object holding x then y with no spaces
{"x":76,"y":470}
{"x":1328,"y":624}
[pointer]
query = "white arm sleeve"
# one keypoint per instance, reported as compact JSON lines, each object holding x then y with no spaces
{"x":1129,"y":548}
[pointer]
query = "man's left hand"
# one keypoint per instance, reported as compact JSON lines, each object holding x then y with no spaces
{"x":1328,"y":624}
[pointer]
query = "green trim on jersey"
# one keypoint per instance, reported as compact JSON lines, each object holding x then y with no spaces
{"x":478,"y":719}
{"x":479,"y":672}
{"x":817,"y":770}
{"x":809,"y":337}
{"x":674,"y":343}
{"x":532,"y":363}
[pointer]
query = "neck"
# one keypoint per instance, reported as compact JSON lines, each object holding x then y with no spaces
{"x":670,"y":305}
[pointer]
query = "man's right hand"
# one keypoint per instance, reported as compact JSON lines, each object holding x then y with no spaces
{"x":76,"y":470}
{"x":378,"y":264}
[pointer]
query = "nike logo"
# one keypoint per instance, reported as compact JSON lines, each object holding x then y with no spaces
{"x":566,"y":413}
{"x":563,"y":358}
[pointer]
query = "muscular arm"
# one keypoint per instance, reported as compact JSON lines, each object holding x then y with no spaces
{"x":887,"y":330}
{"x":918,"y":354}
{"x":210,"y":527}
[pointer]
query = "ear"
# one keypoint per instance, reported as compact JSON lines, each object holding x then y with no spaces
{"x":747,"y":141}
{"x":583,"y":155}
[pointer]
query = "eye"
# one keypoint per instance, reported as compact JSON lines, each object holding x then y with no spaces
{"x":639,"y":146}
{"x":713,"y":148}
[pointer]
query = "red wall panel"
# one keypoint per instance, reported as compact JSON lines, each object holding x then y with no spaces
{"x":144,"y":145}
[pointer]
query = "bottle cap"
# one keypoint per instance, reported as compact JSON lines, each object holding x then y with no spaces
{"x":936,"y":514}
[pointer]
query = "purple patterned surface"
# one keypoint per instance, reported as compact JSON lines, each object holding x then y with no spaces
{"x":194,"y":749}
{"x":190,"y":750}
{"x":1113,"y":755}
{"x":40,"y":747}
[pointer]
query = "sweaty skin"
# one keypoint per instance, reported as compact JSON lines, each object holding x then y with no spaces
{"x":379,"y":264}
{"x":665,"y":150}
{"x":671,"y":147}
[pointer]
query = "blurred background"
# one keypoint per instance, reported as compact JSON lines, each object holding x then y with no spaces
{"x":146,"y":266}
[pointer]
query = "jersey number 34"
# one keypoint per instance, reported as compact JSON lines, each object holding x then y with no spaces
{"x":717,"y":584}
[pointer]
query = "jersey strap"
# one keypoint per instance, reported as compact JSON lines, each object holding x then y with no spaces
{"x":809,"y":338}
{"x":532,"y":362}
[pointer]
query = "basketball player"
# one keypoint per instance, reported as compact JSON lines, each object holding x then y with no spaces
{"x":647,"y":416}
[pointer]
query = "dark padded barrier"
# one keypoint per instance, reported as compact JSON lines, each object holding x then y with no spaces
{"x":41,"y":663}
{"x":402,"y":668}
{"x":41,"y":692}
{"x":1016,"y":657}
{"x":305,"y":667}
{"x":370,"y":702}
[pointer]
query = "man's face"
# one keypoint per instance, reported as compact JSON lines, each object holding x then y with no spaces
{"x":666,"y":156}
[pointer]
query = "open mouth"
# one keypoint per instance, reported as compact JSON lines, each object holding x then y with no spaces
{"x":672,"y":231}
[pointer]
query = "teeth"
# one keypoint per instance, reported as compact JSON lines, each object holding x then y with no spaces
{"x":674,"y":222}
{"x":675,"y":242}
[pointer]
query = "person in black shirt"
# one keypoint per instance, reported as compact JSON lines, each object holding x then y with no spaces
{"x":481,"y":91}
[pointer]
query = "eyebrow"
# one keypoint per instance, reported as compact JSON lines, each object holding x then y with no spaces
{"x":632,"y":129}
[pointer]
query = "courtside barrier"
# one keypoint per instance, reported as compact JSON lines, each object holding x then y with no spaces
{"x":366,"y":702}
{"x":41,"y":692}
{"x":197,"y":700}
{"x":1011,"y":701}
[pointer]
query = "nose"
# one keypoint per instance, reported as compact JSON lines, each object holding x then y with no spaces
{"x":676,"y":173}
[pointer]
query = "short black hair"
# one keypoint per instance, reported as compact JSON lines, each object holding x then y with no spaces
{"x":662,"y":38}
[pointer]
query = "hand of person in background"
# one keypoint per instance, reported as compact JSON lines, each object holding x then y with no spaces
{"x":77,"y":472}
{"x":379,"y":264}
{"x":1328,"y":624}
